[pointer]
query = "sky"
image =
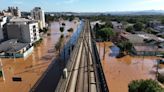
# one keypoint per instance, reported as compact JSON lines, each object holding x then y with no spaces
{"x":85,"y":5}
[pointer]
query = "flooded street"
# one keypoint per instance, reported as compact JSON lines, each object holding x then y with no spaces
{"x":119,"y":72}
{"x":32,"y":67}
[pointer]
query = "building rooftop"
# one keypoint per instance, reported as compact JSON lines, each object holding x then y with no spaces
{"x":151,"y":36}
{"x":12,"y":46}
{"x":139,"y":38}
{"x":148,"y":48}
{"x":21,"y":20}
{"x":133,"y":38}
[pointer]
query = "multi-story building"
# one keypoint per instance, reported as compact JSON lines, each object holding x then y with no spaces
{"x":38,"y":14}
{"x":3,"y":21}
{"x":15,"y":11}
{"x":24,"y":30}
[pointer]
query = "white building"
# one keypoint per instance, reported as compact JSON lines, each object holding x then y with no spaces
{"x":38,"y":14}
{"x":15,"y":11}
{"x":3,"y":21}
{"x":24,"y":30}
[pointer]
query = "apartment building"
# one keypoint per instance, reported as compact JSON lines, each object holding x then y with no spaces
{"x":14,"y":11}
{"x":38,"y":14}
{"x":25,"y":30}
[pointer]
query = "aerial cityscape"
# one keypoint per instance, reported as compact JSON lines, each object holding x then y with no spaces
{"x":81,"y":46}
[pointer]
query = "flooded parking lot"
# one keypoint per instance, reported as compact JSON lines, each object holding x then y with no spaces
{"x":119,"y":72}
{"x":32,"y":67}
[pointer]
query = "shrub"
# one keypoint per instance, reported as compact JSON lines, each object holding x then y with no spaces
{"x":70,"y":30}
{"x":160,"y":78}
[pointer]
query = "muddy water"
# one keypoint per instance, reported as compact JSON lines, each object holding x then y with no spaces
{"x":32,"y":67}
{"x":120,"y":72}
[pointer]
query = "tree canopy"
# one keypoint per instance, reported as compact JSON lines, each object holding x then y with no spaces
{"x":61,"y":29}
{"x":129,"y":29}
{"x":138,"y":26}
{"x":106,"y":33}
{"x":145,"y":86}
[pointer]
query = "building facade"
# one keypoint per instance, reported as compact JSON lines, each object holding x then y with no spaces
{"x":38,"y":14}
{"x":14,"y":11}
{"x":3,"y":21}
{"x":26,"y":31}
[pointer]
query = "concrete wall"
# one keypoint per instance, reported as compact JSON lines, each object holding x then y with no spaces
{"x":1,"y":34}
{"x":40,"y":16}
{"x":26,"y":34}
{"x":14,"y":32}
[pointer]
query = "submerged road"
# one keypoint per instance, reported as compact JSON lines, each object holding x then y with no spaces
{"x":49,"y":80}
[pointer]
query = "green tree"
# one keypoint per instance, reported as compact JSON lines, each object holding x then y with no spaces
{"x":125,"y":46}
{"x":148,"y":30}
{"x":109,"y":24}
{"x":63,"y":24}
{"x":70,"y":30}
{"x":138,"y":26}
{"x":145,"y":86}
{"x":96,"y":27}
{"x":59,"y":44}
{"x":71,"y":18}
{"x":162,"y":21}
{"x":106,"y":33}
{"x":129,"y":29}
{"x":61,"y":29}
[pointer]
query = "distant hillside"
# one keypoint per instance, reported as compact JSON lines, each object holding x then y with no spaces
{"x":147,"y":12}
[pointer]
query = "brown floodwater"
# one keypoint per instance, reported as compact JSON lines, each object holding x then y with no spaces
{"x":32,"y":67}
{"x":120,"y":72}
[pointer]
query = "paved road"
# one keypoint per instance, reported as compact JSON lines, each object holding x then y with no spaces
{"x":49,"y":80}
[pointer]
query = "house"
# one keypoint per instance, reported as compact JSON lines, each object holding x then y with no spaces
{"x":14,"y":49}
{"x":144,"y":44}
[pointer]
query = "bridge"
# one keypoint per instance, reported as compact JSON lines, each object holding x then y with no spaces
{"x":84,"y":71}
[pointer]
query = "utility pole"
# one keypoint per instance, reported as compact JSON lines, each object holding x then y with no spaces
{"x":104,"y":52}
{"x":157,"y":69}
{"x":3,"y":75}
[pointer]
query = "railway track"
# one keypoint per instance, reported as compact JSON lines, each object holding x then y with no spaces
{"x":82,"y":72}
